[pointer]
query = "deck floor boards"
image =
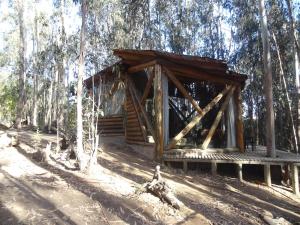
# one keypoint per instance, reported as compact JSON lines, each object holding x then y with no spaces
{"x":222,"y":155}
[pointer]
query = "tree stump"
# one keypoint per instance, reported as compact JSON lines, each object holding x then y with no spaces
{"x":161,"y":189}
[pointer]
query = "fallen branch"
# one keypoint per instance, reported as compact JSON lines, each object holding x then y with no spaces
{"x":269,"y":219}
{"x":159,"y":188}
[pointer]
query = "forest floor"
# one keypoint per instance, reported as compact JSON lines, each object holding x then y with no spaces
{"x":33,"y":192}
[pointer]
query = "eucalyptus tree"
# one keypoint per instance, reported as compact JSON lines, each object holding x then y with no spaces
{"x":81,"y":66}
{"x":21,"y":63}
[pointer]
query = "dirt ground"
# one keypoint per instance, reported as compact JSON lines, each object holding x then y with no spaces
{"x":55,"y":193}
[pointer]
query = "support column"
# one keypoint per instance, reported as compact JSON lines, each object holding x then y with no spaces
{"x":214,"y":168}
{"x":158,"y":107}
{"x":185,"y":166}
{"x":239,"y":119}
{"x":165,"y":96}
{"x":239,"y":169}
{"x":168,"y":164}
{"x":267,"y":175}
{"x":295,"y":179}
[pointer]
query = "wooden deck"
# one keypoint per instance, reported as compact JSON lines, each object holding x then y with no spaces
{"x":229,"y":156}
{"x":216,"y":156}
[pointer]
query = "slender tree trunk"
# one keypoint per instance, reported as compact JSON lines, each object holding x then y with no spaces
{"x":80,"y":87}
{"x":296,"y":65}
{"x":22,"y":74}
{"x":35,"y":74}
{"x":48,"y":121}
{"x":270,"y":127}
{"x":295,"y":140}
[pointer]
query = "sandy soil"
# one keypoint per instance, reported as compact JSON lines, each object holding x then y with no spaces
{"x":54,"y":193}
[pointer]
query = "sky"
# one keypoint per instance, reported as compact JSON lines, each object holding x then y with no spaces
{"x":72,"y":21}
{"x":45,"y":7}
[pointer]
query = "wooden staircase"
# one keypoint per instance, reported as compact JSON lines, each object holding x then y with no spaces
{"x":134,"y":132}
{"x":111,"y":126}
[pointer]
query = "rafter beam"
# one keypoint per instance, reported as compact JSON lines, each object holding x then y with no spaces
{"x":141,"y":66}
{"x":147,"y":88}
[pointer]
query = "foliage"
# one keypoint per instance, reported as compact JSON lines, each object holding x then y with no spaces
{"x":8,"y":100}
{"x":223,"y":29}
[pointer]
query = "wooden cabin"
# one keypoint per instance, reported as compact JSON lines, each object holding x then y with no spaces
{"x":173,"y":101}
{"x":186,"y":108}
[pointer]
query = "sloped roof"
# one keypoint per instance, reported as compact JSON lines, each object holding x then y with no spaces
{"x":184,"y":65}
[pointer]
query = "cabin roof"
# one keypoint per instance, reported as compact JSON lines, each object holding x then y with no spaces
{"x":183,"y":66}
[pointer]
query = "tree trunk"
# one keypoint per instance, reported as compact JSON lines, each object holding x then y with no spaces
{"x":22,"y":74}
{"x":48,"y":120}
{"x":80,"y":87}
{"x":296,"y":65}
{"x":270,"y":127}
{"x":286,"y":95}
{"x":35,"y":72}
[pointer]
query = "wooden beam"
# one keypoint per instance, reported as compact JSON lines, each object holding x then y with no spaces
{"x":214,"y":168}
{"x":177,"y":110}
{"x":239,"y":119}
{"x":198,"y":74}
{"x":239,"y":168}
{"x":182,"y":90}
{"x":137,"y":113}
{"x":267,"y":175}
{"x":141,"y":66}
{"x":165,"y":99}
{"x":141,"y":108}
{"x":295,"y":179}
{"x":189,"y":115}
{"x":147,"y":88}
{"x":158,"y":107}
{"x":185,"y":166}
{"x":217,"y":120}
{"x":197,"y":118}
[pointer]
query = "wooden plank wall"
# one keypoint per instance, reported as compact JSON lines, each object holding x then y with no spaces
{"x":111,"y":126}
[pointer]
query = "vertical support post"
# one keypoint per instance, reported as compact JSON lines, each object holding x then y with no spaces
{"x":165,"y":94}
{"x":158,"y":107}
{"x":214,"y":168}
{"x":239,"y":119}
{"x":185,"y":166}
{"x":168,"y":164}
{"x":267,"y":175}
{"x":239,"y":169}
{"x":295,"y":179}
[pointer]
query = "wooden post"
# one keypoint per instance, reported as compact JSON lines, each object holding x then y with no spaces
{"x":165,"y":95}
{"x":158,"y":107}
{"x":185,"y":166}
{"x":239,"y":119}
{"x":295,"y":179}
{"x":267,"y":175}
{"x":147,"y":88}
{"x":214,"y":168}
{"x":168,"y":164}
{"x":240,"y":171}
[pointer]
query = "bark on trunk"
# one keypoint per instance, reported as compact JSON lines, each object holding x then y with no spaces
{"x":296,"y":65}
{"x":36,"y":71}
{"x":22,"y":75}
{"x":286,"y":95}
{"x":270,"y":127}
{"x":80,"y":87}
